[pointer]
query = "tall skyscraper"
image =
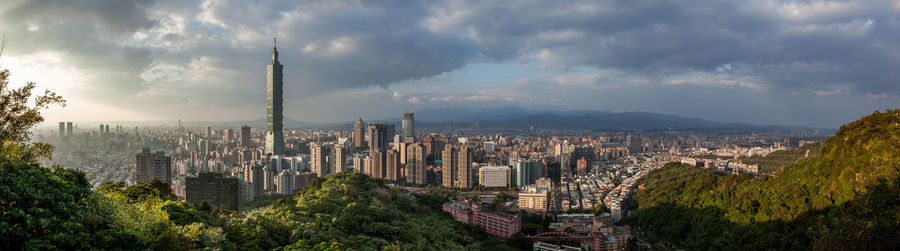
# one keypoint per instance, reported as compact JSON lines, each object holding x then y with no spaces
{"x":465,"y":174}
{"x":245,"y":136}
{"x":227,"y":136}
{"x":449,"y":167}
{"x":415,"y":164}
{"x":69,"y":129}
{"x":209,"y":132}
{"x":274,"y":100}
{"x":62,"y":129}
{"x":409,"y":132}
{"x":150,"y":166}
{"x":359,"y":132}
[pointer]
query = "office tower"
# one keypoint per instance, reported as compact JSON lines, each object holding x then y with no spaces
{"x":378,"y":136}
{"x":392,"y":165}
{"x":439,"y":143}
{"x":62,"y":129}
{"x":149,"y":166}
{"x":274,"y":98}
{"x":415,"y":164}
{"x":359,"y":132}
{"x":464,"y":177}
{"x":449,"y":166}
{"x":107,"y":129}
{"x":340,"y":160}
{"x":401,"y":148}
{"x":208,"y":132}
{"x":409,"y":133}
{"x":213,"y":188}
{"x":69,"y":129}
{"x":318,"y":159}
{"x":245,"y":136}
{"x":493,"y":176}
{"x":101,"y":129}
{"x":525,"y":172}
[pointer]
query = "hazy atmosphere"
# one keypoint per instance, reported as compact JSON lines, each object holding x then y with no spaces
{"x":810,"y":63}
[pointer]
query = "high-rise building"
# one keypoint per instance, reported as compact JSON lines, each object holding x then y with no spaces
{"x":318,"y":159}
{"x":449,"y":166}
{"x":149,"y":166}
{"x":245,"y":136}
{"x":339,"y":161}
{"x":409,"y":132}
{"x":377,"y":164}
{"x":62,"y":129}
{"x":378,"y":136}
{"x":392,"y":165}
{"x":465,"y":177}
{"x":634,"y":144}
{"x":415,"y":164}
{"x":430,"y":147}
{"x":107,"y":129}
{"x":213,"y":188}
{"x":209,"y":132}
{"x":274,"y":100}
{"x":69,"y":129}
{"x":359,"y":132}
{"x":284,"y":182}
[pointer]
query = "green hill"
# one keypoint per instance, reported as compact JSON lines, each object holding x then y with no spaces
{"x":846,"y":197}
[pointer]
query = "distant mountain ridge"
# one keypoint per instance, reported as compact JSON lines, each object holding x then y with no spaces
{"x":516,"y":117}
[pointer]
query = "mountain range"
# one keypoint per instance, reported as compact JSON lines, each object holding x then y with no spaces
{"x":516,"y":117}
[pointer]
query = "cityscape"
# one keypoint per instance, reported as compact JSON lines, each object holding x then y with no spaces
{"x":391,"y":166}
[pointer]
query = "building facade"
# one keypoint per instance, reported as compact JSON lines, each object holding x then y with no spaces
{"x":149,"y":166}
{"x":274,"y":105}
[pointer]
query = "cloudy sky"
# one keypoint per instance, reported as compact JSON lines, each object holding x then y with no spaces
{"x":813,"y":63}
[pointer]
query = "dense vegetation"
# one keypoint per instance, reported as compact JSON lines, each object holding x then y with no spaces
{"x":777,"y":160}
{"x":847,"y":197}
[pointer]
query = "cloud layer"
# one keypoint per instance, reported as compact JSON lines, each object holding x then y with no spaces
{"x":818,"y":63}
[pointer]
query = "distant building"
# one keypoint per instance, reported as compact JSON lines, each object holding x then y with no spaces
{"x":62,"y":129}
{"x":213,"y":188}
{"x":449,"y":166}
{"x":415,"y":164}
{"x":465,"y":177}
{"x":69,"y":129}
{"x":377,"y":164}
{"x":245,"y":136}
{"x":284,"y":182}
{"x":149,"y":166}
{"x":494,"y":176}
{"x":634,"y":144}
{"x":409,"y":132}
{"x":359,"y":132}
{"x":228,"y":134}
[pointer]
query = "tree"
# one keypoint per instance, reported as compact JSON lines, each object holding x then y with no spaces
{"x":17,"y":118}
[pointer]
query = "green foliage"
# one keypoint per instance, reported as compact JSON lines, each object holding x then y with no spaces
{"x":843,"y":198}
{"x":17,"y":118}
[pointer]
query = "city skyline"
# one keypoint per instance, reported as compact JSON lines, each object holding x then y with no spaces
{"x":818,"y":64}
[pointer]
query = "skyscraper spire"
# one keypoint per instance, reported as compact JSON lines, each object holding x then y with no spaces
{"x":275,"y":50}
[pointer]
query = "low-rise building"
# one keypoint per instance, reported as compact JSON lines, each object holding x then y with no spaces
{"x":495,"y":223}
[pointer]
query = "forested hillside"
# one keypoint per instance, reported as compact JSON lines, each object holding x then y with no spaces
{"x":847,"y":197}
